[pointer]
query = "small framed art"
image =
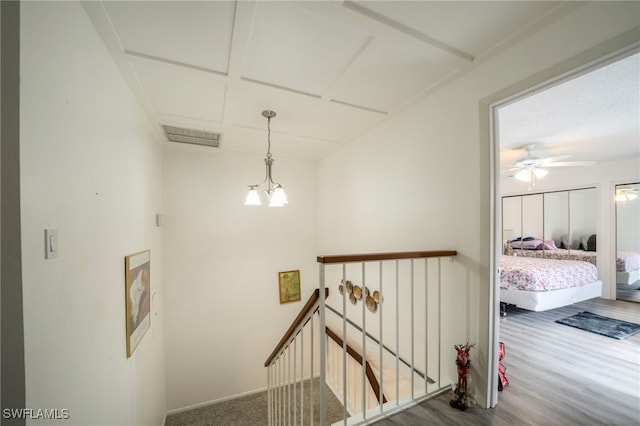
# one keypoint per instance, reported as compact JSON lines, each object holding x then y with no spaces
{"x":137,"y":297}
{"x":289,"y":286}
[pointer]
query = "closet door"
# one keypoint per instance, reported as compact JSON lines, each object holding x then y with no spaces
{"x":532,"y":216}
{"x":582,"y":204}
{"x":512,"y":214}
{"x":556,"y":216}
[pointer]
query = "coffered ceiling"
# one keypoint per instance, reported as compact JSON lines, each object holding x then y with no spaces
{"x":330,"y":69}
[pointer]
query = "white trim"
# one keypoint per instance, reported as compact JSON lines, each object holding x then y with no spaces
{"x":605,"y":53}
{"x":613,"y":228}
{"x":215,"y":401}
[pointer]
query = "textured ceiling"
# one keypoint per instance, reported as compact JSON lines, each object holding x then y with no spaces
{"x":593,"y":117}
{"x":330,"y":69}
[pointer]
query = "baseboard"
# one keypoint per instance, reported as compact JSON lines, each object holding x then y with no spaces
{"x":214,"y":401}
{"x":219,"y":400}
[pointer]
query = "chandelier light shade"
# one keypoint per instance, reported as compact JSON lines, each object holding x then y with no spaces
{"x":273,"y":191}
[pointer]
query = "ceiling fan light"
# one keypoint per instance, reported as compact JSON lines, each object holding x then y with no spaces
{"x":623,"y":196}
{"x":524,"y":175}
{"x":540,"y":173}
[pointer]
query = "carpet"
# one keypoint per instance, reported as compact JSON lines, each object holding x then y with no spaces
{"x":604,"y":326}
{"x":251,"y":410}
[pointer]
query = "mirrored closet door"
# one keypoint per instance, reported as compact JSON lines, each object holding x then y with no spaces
{"x":558,"y":224}
{"x":627,"y":199}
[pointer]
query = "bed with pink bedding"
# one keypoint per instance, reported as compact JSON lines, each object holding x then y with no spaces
{"x":542,"y":284}
{"x":559,"y":254}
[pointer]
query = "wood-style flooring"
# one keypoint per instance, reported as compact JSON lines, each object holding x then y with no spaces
{"x":558,"y":375}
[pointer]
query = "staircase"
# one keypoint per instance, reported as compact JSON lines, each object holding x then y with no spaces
{"x":374,"y":339}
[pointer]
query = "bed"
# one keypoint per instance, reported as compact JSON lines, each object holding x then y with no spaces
{"x":627,"y":267}
{"x":541,"y":284}
{"x":559,"y":254}
{"x":627,"y":262}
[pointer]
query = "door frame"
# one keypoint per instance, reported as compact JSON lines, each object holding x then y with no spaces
{"x":603,"y":54}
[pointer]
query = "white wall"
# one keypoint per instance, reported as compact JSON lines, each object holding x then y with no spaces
{"x":603,"y":177}
{"x":221,"y":276}
{"x":421,"y":179}
{"x":90,"y":168}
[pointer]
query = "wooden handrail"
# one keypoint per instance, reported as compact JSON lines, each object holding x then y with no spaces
{"x":373,"y":381}
{"x":296,"y":322}
{"x":347,"y":258}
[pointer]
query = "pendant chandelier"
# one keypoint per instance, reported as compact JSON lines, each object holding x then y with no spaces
{"x":273,"y":190}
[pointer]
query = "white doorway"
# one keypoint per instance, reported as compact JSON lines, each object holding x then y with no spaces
{"x":570,"y":69}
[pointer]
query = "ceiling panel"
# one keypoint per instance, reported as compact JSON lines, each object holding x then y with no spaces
{"x":336,"y":122}
{"x":471,"y":26}
{"x":246,"y":101}
{"x":181,"y":91}
{"x":196,"y":33}
{"x":297,"y":48}
{"x":330,"y":69}
{"x":282,"y":145}
{"x":386,"y":75}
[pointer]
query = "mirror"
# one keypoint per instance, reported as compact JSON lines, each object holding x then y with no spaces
{"x":553,"y":220}
{"x":582,"y":217}
{"x":556,"y":216}
{"x":627,"y":202}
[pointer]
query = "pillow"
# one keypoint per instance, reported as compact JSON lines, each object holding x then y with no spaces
{"x":591,"y":243}
{"x":547,"y":245}
{"x":527,"y":245}
{"x":583,"y":242}
{"x":564,"y":242}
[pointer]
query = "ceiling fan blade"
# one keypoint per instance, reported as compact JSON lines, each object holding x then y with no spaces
{"x":511,"y":169}
{"x":570,"y":164}
{"x":556,"y":158}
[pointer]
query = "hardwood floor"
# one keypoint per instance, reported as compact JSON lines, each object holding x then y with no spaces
{"x":558,"y":375}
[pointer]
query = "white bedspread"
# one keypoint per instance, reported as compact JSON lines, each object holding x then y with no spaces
{"x":532,"y":274}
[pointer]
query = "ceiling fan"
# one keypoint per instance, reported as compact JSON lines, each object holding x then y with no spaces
{"x":532,"y":167}
{"x":628,"y":193}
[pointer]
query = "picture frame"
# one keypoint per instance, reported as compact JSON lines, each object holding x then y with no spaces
{"x":289,"y":286}
{"x":137,"y":298}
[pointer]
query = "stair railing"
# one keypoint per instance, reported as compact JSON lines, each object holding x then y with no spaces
{"x":396,"y":342}
{"x":284,"y":385}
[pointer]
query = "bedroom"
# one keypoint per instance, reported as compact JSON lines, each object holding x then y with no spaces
{"x":580,"y":138}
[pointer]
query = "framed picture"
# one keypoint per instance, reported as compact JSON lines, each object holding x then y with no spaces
{"x":137,"y":297}
{"x":289,"y":286}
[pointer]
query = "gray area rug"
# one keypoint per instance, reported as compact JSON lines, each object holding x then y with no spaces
{"x":252,"y":410}
{"x":604,"y":326}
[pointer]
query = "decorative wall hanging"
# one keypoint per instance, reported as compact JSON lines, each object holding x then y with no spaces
{"x":289,"y":286}
{"x":355,"y":293}
{"x":137,"y":297}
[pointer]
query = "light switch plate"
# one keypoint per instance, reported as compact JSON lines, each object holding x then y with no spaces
{"x":50,"y":243}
